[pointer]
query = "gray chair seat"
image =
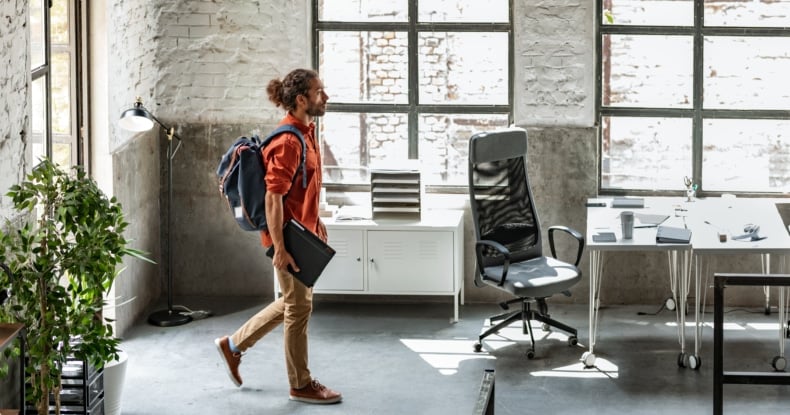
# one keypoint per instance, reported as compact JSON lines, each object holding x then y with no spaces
{"x":537,"y":277}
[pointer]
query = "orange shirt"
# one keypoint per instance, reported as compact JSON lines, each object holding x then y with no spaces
{"x":281,"y":158}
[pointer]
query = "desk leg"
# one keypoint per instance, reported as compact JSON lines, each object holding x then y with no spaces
{"x":700,"y":281}
{"x":766,"y":263}
{"x":683,"y":289}
{"x":596,"y":275}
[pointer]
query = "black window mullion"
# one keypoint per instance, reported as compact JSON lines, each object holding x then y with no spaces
{"x":414,"y":84}
{"x":697,"y":95}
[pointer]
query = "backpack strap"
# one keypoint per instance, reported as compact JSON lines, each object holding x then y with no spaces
{"x":289,"y":128}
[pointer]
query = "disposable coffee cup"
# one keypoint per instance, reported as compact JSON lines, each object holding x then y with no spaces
{"x":627,"y":222}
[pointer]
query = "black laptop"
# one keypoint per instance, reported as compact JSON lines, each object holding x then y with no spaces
{"x":307,"y":249}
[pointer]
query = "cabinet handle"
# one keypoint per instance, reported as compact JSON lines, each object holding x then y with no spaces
{"x":371,"y":261}
{"x":359,"y":259}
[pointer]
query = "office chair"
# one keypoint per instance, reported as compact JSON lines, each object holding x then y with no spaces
{"x":508,"y":246}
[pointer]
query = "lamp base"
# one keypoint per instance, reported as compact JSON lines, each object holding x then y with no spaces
{"x":168,"y":318}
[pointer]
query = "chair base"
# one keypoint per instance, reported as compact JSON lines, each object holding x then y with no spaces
{"x":526,"y":314}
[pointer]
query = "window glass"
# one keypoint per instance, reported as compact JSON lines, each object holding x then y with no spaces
{"x":762,"y":13}
{"x":645,"y":152}
{"x":39,"y":118}
{"x":647,"y":71}
{"x":649,"y":12}
{"x":36,"y":34}
{"x":365,"y":66}
{"x":385,"y":92}
{"x":436,"y":11}
{"x":747,"y":72}
{"x":363,"y":10}
{"x":353,"y":142}
{"x":463,"y":68}
{"x":746,"y":155}
{"x":444,"y":144}
{"x":59,"y":23}
{"x":61,"y":93}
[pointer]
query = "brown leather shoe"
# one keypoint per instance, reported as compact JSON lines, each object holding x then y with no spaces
{"x":315,"y":392}
{"x":232,"y":360}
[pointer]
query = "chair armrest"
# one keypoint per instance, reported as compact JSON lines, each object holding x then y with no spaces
{"x":479,"y":245}
{"x":573,"y":232}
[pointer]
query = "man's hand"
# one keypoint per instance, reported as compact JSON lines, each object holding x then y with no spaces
{"x":282,"y":259}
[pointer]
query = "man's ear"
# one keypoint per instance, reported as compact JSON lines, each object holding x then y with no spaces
{"x":301,"y":100}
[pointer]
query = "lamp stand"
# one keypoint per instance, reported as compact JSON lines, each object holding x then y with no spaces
{"x":169,"y":317}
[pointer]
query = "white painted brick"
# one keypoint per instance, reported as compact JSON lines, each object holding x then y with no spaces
{"x":194,"y":19}
{"x":202,"y":31}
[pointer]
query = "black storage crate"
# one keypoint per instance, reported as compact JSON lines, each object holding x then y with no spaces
{"x":82,"y":390}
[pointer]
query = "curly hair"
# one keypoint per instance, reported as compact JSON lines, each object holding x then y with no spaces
{"x":283,"y":92}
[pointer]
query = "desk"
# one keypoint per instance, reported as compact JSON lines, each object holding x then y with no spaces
{"x":706,"y":218}
{"x":644,"y":239}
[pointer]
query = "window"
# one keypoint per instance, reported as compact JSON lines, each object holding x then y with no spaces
{"x":54,"y":61}
{"x":697,"y":89}
{"x":409,"y":82}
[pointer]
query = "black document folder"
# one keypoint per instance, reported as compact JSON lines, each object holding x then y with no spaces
{"x":307,"y":249}
{"x":672,"y":235}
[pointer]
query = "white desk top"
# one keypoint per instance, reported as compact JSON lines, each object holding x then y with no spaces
{"x":723,"y":215}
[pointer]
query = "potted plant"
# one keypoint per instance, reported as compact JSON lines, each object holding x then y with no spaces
{"x":63,"y":261}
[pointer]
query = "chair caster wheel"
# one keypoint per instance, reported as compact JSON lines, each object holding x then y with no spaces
{"x":530,"y":354}
{"x":670,"y":304}
{"x":573,"y":341}
{"x":478,"y":347}
{"x":545,"y":327}
{"x":694,"y":362}
{"x":588,"y":359}
{"x":779,"y":363}
{"x":682,"y":359}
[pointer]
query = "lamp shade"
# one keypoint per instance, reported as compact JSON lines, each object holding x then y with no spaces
{"x":136,"y":119}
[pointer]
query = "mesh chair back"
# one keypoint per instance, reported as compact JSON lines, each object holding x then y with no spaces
{"x":501,"y":200}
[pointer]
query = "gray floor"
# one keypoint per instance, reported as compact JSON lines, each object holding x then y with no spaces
{"x":409,"y":359}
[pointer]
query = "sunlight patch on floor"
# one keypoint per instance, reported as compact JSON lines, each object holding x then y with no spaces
{"x":603,"y":369}
{"x":445,"y":355}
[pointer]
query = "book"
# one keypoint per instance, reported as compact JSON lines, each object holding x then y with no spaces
{"x":604,"y":237}
{"x":628,"y":202}
{"x":308,"y":250}
{"x":673,"y":235}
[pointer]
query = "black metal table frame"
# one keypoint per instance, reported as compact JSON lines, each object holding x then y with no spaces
{"x":720,"y":377}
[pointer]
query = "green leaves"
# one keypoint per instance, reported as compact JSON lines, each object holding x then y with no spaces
{"x":64,"y":260}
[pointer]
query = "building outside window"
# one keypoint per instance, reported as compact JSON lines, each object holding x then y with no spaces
{"x":409,"y":83}
{"x":54,"y":64}
{"x":694,"y":88}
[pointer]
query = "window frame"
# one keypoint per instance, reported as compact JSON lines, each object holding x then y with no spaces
{"x":78,"y":93}
{"x":413,"y":108}
{"x":697,"y":113}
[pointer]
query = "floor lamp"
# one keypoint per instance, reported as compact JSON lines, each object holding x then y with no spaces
{"x":139,"y":119}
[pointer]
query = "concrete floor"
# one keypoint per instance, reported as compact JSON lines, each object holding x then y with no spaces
{"x":409,"y":359}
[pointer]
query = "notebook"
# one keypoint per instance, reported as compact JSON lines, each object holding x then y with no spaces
{"x":673,"y":235}
{"x":309,"y":252}
{"x":646,"y":220}
{"x":628,"y":202}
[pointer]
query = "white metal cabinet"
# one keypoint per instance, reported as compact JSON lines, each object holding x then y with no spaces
{"x":396,"y":256}
{"x":408,"y":262}
{"x":346,"y":270}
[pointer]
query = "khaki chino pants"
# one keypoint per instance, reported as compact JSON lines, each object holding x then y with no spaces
{"x":292,"y":309}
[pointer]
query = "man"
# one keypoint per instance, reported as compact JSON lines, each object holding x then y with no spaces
{"x":302,"y":94}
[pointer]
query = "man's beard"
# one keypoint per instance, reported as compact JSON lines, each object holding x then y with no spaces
{"x":316,"y":110}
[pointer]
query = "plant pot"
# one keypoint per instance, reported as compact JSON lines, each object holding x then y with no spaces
{"x":114,"y":373}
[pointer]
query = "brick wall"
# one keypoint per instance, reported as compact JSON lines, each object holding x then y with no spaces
{"x":15,"y":104}
{"x":554,"y":63}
